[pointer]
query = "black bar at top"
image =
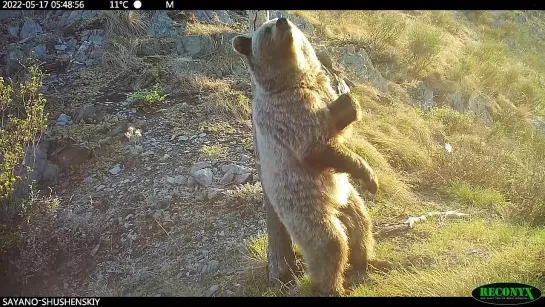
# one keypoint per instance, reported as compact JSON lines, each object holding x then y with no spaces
{"x":278,"y":4}
{"x":91,"y":5}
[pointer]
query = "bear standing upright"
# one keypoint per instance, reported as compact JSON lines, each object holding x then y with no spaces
{"x":300,"y":124}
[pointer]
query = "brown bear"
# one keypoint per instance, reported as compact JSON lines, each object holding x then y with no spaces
{"x":300,"y":125}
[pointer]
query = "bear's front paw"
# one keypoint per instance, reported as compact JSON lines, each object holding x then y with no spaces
{"x":372,"y":184}
{"x":369,"y":179}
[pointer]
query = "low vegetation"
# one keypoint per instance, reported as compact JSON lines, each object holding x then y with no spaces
{"x":22,"y":120}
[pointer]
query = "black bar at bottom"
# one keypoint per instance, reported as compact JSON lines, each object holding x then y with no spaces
{"x":237,"y":301}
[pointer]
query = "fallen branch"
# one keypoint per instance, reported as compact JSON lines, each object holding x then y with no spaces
{"x":393,"y":230}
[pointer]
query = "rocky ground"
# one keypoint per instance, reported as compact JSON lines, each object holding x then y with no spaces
{"x":150,"y":202}
{"x":144,"y":205}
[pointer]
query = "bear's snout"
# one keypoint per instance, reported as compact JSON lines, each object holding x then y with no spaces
{"x":282,"y":24}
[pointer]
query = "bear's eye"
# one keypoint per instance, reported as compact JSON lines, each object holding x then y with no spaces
{"x":267,"y":31}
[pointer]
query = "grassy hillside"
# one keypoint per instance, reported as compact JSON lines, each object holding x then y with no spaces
{"x":495,"y":172}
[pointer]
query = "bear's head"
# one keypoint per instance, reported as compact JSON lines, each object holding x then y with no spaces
{"x":277,"y":53}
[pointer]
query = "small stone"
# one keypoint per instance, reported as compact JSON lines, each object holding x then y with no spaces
{"x":95,"y":250}
{"x":61,"y":47}
{"x":63,"y":120}
{"x":243,"y":178}
{"x":115,"y":170}
{"x":100,"y":187}
{"x":198,"y":166}
{"x":176,"y":180}
{"x":88,"y":180}
{"x":183,"y":138}
{"x":164,"y":157}
{"x":202,"y":135}
{"x":213,"y":289}
{"x":204,"y":177}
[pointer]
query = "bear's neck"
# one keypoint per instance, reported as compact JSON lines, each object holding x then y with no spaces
{"x":282,"y":81}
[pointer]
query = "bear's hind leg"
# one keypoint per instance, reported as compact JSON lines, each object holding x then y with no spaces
{"x":359,"y":226}
{"x":325,"y":250}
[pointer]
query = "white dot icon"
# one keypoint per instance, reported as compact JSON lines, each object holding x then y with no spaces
{"x":137,"y":4}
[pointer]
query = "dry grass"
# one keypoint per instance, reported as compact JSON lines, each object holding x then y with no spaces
{"x":196,"y":28}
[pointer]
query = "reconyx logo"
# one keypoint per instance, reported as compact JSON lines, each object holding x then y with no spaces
{"x":506,"y":294}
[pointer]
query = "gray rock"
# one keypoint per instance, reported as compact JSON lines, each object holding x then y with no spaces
{"x":198,"y":166}
{"x":115,"y":170}
{"x":96,"y":37}
{"x":196,"y":45}
{"x":9,"y":14}
{"x":82,"y":54}
{"x":481,"y":106}
{"x":191,"y":182}
{"x":539,"y":124}
{"x":423,"y":97}
{"x":223,"y":17}
{"x":227,"y":178}
{"x":95,"y":250}
{"x":14,"y":31}
{"x":39,"y":51}
{"x":213,"y":289}
{"x":63,"y":120}
{"x":213,"y":17}
{"x":86,"y":113}
{"x":161,"y":25}
{"x":204,"y":177}
{"x":455,"y":101}
{"x":89,"y":180}
{"x":51,"y":172}
{"x":237,"y":169}
{"x":154,"y":46}
{"x":14,"y":55}
{"x":243,"y":178}
{"x":61,"y":47}
{"x":30,"y":29}
{"x":360,"y":66}
{"x":68,"y":18}
{"x":176,"y":180}
{"x":72,"y":44}
{"x":35,"y":166}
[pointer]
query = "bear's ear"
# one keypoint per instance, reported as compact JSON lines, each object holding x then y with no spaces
{"x":243,"y":45}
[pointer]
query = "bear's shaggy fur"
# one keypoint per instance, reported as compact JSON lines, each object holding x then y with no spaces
{"x":300,"y":124}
